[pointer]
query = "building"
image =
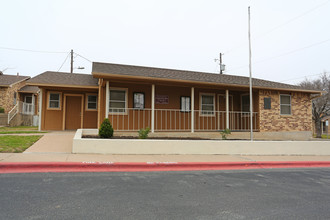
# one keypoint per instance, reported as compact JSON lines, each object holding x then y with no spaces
{"x":18,"y":100}
{"x":135,"y":97}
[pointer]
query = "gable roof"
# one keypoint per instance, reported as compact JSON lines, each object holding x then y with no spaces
{"x":110,"y":69}
{"x":63,"y":79}
{"x":9,"y":80}
{"x":29,"y":89}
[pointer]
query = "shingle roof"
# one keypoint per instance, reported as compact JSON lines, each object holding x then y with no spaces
{"x":29,"y":89}
{"x":160,"y":73}
{"x":8,"y":80}
{"x":63,"y":79}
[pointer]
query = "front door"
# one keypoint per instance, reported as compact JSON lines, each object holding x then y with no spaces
{"x":73,"y":112}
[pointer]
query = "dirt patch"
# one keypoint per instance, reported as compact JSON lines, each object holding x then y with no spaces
{"x":154,"y":138}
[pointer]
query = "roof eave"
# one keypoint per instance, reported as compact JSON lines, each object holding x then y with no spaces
{"x":61,"y":85}
{"x":101,"y":75}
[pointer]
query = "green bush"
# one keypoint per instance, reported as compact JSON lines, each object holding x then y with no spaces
{"x":224,"y":133}
{"x":143,"y":133}
{"x":106,"y":130}
{"x":2,"y":110}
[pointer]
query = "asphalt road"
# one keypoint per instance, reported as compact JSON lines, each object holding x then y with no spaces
{"x":247,"y":194}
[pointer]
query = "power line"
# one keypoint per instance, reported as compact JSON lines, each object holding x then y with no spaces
{"x":84,"y":58}
{"x":280,"y":25}
{"x":26,"y":50}
{"x":286,"y":53}
{"x":304,"y":77}
{"x":63,"y":62}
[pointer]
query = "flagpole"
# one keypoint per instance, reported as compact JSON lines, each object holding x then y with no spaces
{"x":250,"y":71}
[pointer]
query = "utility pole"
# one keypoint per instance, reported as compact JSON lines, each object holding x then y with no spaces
{"x":222,"y":67}
{"x":71,"y":70}
{"x":220,"y":63}
{"x":250,"y":71}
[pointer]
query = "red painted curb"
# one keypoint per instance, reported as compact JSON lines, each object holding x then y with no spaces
{"x":37,"y":167}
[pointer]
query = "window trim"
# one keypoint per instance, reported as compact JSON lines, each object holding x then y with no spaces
{"x":60,"y":100}
{"x":126,"y":100}
{"x":181,"y":104}
{"x":286,"y":105}
{"x":86,"y":106}
{"x":144,"y":101}
{"x":200,"y":104}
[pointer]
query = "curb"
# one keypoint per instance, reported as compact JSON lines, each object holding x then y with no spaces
{"x":43,"y":167}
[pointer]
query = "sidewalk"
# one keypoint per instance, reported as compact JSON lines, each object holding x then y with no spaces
{"x":91,"y":158}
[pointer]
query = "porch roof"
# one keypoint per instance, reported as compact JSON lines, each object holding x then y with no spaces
{"x":9,"y":80}
{"x":102,"y":70}
{"x":63,"y":79}
{"x":29,"y":89}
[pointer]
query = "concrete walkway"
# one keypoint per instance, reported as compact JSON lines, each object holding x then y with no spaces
{"x":53,"y":142}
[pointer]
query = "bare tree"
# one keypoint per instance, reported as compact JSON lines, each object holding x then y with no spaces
{"x":321,"y":105}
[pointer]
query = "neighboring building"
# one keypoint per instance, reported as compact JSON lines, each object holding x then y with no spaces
{"x":9,"y":86}
{"x":135,"y":97}
{"x":29,"y":97}
{"x":325,"y":125}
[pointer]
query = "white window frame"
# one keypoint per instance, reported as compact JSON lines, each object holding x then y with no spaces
{"x":189,"y":106}
{"x":59,"y":101}
{"x":126,"y":100}
{"x":91,"y":109}
{"x":200,"y":104}
{"x":285,"y":104}
{"x":144,"y":100}
{"x":31,"y":99}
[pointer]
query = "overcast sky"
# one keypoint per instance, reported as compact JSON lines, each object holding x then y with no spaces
{"x":290,"y":38}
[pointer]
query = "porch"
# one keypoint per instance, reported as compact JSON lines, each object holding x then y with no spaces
{"x":178,"y":108}
{"x":172,"y":120}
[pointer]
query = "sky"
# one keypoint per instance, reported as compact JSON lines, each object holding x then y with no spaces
{"x":290,"y":39}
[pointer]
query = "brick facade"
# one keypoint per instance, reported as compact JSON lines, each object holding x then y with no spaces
{"x":7,"y":96}
{"x":301,"y":112}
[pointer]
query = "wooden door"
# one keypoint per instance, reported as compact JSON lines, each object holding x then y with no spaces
{"x":73,"y":113}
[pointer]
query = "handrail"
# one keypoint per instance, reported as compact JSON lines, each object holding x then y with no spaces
{"x":15,"y":112}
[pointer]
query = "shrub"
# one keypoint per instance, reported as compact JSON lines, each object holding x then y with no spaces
{"x":143,"y":133}
{"x":2,"y":110}
{"x":106,"y":130}
{"x":224,"y":133}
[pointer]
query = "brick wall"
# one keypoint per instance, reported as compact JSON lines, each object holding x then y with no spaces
{"x":7,"y":96}
{"x":301,"y":112}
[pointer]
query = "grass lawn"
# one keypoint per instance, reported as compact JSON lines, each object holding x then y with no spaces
{"x":16,"y":144}
{"x":324,"y":136}
{"x":20,"y":130}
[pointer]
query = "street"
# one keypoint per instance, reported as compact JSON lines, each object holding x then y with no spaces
{"x":236,"y":194}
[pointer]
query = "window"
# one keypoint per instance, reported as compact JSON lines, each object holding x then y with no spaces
{"x":207,"y":104}
{"x":91,"y":102}
{"x":185,"y":104}
{"x":285,"y":102}
{"x":267,"y":103}
{"x":245,"y":103}
{"x":117,"y":102}
{"x":28,"y":99}
{"x":15,"y":98}
{"x":54,"y":100}
{"x":138,"y":98}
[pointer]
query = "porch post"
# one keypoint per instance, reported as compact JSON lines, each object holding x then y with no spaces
{"x":40,"y":110}
{"x":192,"y":108}
{"x":107,"y":96}
{"x":152,"y":108}
{"x":33,"y":105}
{"x":227,"y":109}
